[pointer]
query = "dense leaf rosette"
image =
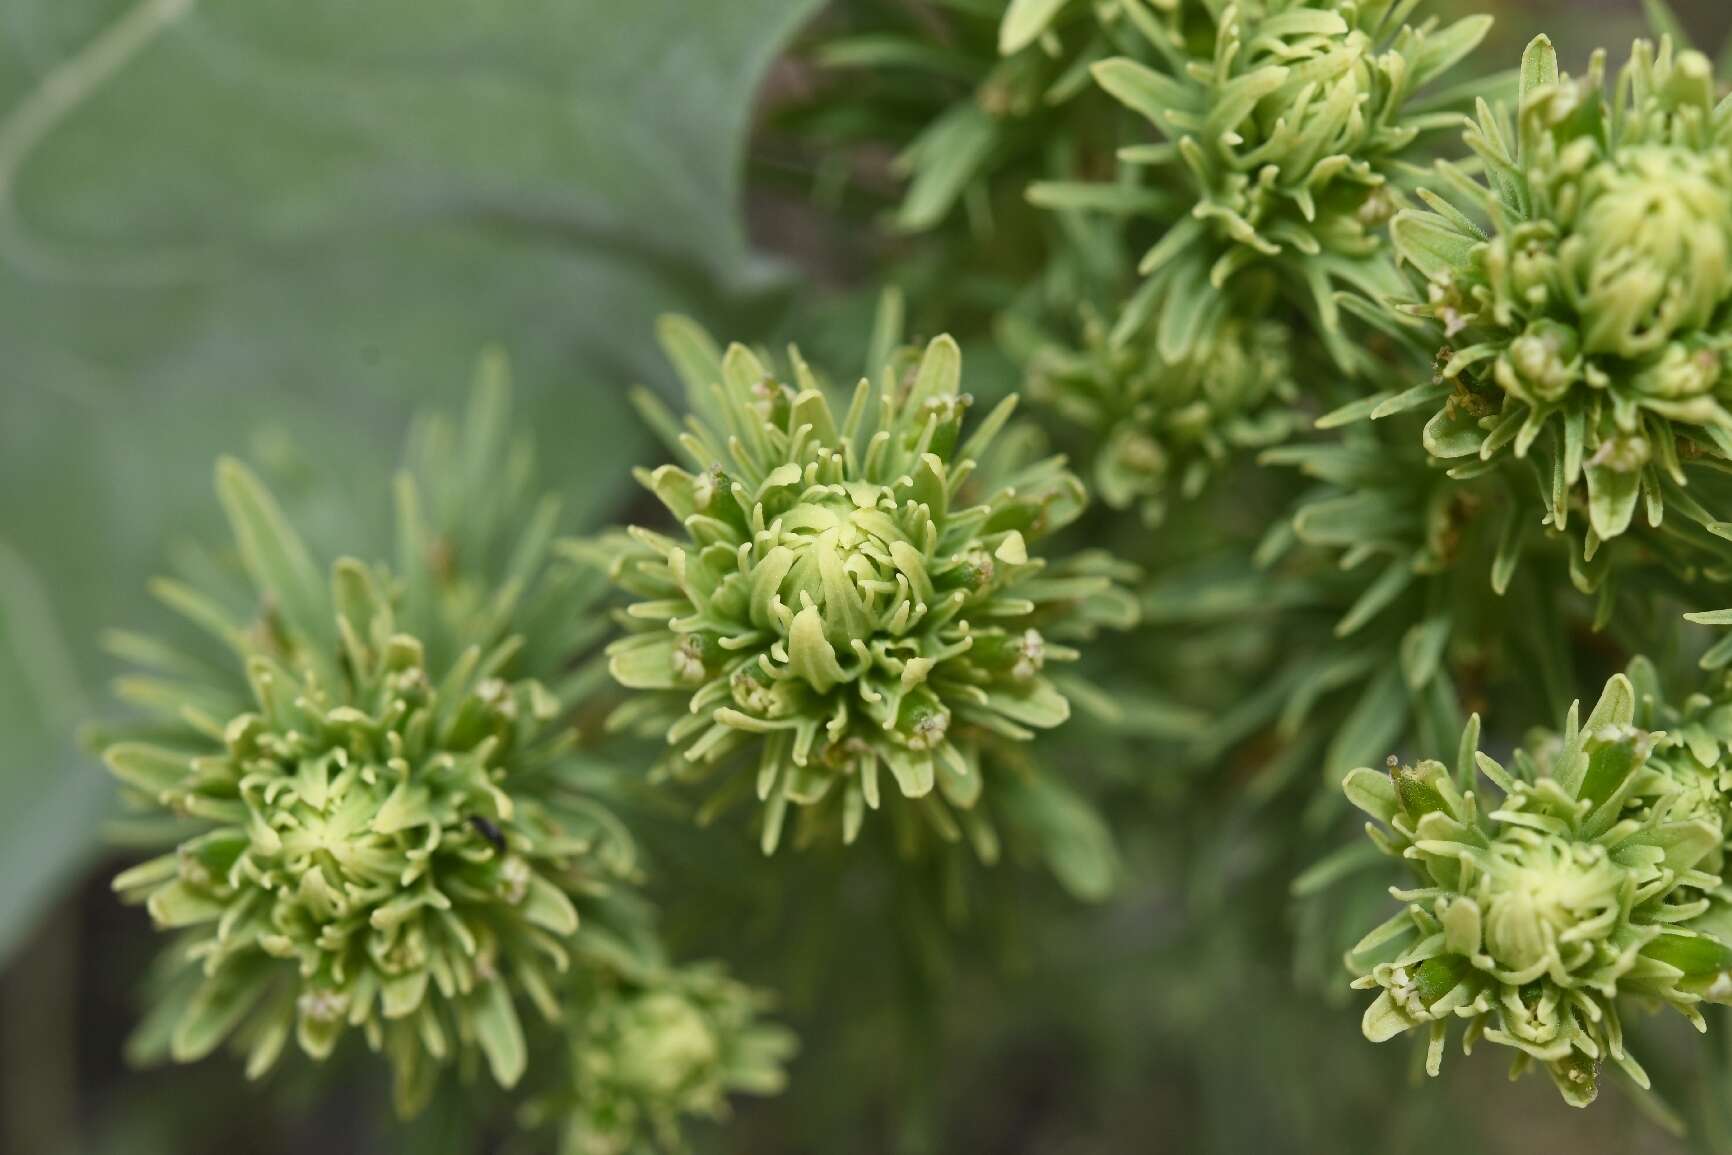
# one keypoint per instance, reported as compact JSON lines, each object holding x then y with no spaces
{"x":373,"y":826}
{"x":1583,"y":286}
{"x":1534,"y":917}
{"x":1286,"y":137}
{"x":837,"y":604}
{"x":649,"y":1050}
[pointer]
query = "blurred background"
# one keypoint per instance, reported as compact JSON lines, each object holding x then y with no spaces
{"x":276,"y":230}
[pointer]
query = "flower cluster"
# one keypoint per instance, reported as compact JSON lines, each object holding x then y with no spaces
{"x":376,"y":824}
{"x":366,"y":862}
{"x":1164,"y":428}
{"x":1583,"y":285}
{"x":364,"y":777}
{"x":1286,"y":137}
{"x":379,"y":841}
{"x":840,"y":600}
{"x":1534,"y":917}
{"x":652,"y":1049}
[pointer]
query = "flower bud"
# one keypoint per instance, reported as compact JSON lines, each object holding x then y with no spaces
{"x":1542,"y":363}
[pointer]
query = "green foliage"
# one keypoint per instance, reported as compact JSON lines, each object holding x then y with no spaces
{"x":441,"y":805}
{"x":218,"y":222}
{"x":1572,"y":274}
{"x":1004,"y":82}
{"x":52,"y":798}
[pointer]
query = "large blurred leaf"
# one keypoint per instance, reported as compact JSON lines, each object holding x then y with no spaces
{"x":216,"y":216}
{"x":49,"y":799}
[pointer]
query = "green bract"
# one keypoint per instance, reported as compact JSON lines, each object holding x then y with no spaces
{"x":1534,"y":916}
{"x":373,"y":828}
{"x":1583,"y":286}
{"x":1288,"y":134}
{"x":648,"y":1051}
{"x":839,"y":602}
{"x":1163,"y":428}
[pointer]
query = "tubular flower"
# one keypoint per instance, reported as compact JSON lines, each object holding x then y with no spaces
{"x":371,"y":834}
{"x":1287,"y":138}
{"x":648,"y":1051}
{"x":1586,"y":308}
{"x":838,"y":603}
{"x":1533,"y":917}
{"x":1161,"y":426}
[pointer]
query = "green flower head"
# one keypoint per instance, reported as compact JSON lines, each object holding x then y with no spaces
{"x":364,"y":779}
{"x":1533,"y":917}
{"x":1279,"y":149}
{"x":649,"y":1051}
{"x":840,"y":600}
{"x":1583,"y":285}
{"x":1162,"y":429}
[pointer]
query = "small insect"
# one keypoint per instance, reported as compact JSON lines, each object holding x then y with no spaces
{"x":488,"y":831}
